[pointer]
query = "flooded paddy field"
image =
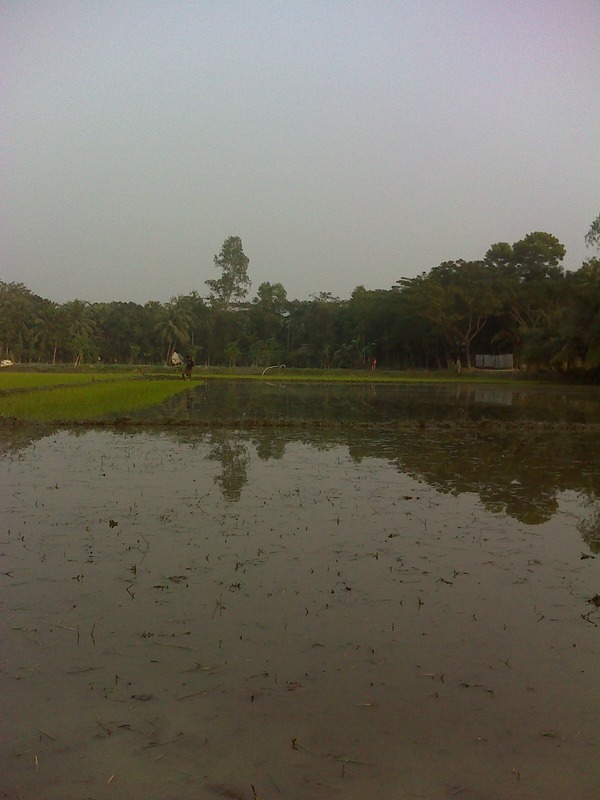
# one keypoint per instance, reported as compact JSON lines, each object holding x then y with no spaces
{"x":305,"y":593}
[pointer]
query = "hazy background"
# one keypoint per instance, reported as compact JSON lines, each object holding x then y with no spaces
{"x":346,"y":143}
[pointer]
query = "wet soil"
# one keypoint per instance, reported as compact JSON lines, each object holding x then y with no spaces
{"x":300,"y":613}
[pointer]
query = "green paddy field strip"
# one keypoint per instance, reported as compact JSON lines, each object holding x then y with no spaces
{"x":64,"y":395}
{"x":12,"y":381}
{"x":91,"y":400}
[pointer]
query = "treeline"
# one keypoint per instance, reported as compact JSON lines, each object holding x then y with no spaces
{"x":517,"y":299}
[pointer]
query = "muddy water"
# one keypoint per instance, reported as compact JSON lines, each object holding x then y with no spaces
{"x":304,"y":613}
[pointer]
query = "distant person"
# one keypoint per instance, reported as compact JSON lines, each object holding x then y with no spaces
{"x":373,"y":363}
{"x":189,"y":366}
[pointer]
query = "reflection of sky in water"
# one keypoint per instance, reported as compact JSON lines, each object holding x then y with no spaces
{"x":503,"y":397}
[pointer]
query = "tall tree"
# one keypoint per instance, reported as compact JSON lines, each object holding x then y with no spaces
{"x":529,"y":279}
{"x":234,"y":283}
{"x":230,"y":288}
{"x":580,"y":328}
{"x":268,"y":310}
{"x":316,"y":327}
{"x":592,"y":237}
{"x":458,"y":297}
{"x":17,"y":308}
{"x":538,"y":256}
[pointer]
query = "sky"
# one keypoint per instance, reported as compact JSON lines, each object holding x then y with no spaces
{"x":346,"y":143}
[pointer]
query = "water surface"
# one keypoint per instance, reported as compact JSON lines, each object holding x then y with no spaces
{"x":290,"y":611}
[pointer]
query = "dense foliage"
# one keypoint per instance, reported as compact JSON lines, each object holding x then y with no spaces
{"x":518,"y":299}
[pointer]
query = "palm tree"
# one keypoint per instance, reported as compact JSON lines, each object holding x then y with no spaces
{"x":81,"y":325}
{"x":17,"y":308}
{"x":48,"y":328}
{"x":174,"y":325}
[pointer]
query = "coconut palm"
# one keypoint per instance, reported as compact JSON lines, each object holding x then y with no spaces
{"x":48,"y":329}
{"x":174,"y":325}
{"x":81,"y":324}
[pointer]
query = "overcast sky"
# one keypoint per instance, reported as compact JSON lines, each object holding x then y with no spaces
{"x":345,"y":142}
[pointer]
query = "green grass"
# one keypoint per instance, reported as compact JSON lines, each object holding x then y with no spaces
{"x":289,"y":375}
{"x":32,"y":375}
{"x":75,"y":396}
{"x":37,"y":380}
{"x":92,"y":401}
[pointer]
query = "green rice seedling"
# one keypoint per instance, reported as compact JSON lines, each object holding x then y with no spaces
{"x":46,"y":380}
{"x":92,"y":401}
{"x":296,"y":375}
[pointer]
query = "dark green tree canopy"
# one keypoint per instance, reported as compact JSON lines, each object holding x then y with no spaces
{"x":536,"y":256}
{"x":517,"y":300}
{"x":501,"y":256}
{"x":271,"y":297}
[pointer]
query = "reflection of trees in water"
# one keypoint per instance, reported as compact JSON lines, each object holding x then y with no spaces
{"x":527,"y":504}
{"x":519,"y":472}
{"x":511,"y":473}
{"x":334,"y":403}
{"x":514,"y":472}
{"x":589,"y":528}
{"x":522,"y":474}
{"x":15,"y":436}
{"x":270,"y":443}
{"x":232,"y":453}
